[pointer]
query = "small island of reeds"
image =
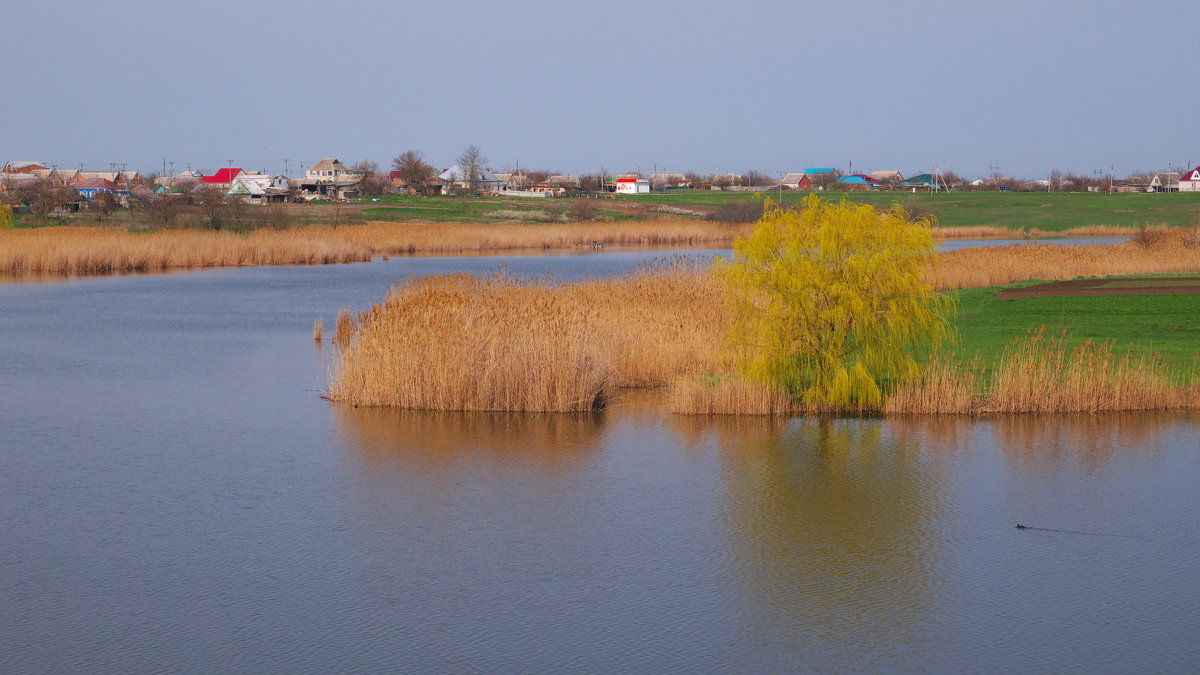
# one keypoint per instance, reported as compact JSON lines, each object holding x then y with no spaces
{"x":497,"y":343}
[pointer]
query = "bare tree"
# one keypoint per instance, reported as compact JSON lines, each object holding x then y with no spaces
{"x":46,"y":197}
{"x":212,"y":202}
{"x":103,"y":203}
{"x":160,"y":208}
{"x":720,"y":180}
{"x":752,"y":178}
{"x":590,"y":182}
{"x":693,"y":179}
{"x":365,"y":168}
{"x":949,"y":179}
{"x":471,"y":162}
{"x":413,"y":168}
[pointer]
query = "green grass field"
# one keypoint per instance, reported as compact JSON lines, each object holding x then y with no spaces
{"x":1052,"y":211}
{"x":1164,"y":324}
{"x":402,"y":208}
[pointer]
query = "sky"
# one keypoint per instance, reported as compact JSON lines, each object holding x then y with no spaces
{"x":1019,"y":86}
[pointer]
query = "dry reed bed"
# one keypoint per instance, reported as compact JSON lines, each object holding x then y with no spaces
{"x":461,"y":342}
{"x":1176,"y":252}
{"x":996,"y":232}
{"x":463,"y":237}
{"x":1041,"y":374}
{"x":93,"y":250}
{"x":83,"y":250}
{"x":1038,"y":374}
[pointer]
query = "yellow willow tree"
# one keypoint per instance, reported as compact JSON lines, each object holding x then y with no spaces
{"x":831,"y":303}
{"x":6,"y":219}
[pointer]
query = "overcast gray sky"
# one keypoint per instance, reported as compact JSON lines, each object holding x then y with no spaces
{"x":774,"y":86}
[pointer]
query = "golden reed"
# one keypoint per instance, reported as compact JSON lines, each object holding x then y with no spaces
{"x":95,"y":250}
{"x":462,"y":342}
{"x":1041,"y":373}
{"x":1174,"y":252}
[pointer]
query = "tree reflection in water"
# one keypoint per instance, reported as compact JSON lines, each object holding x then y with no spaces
{"x":833,"y":533}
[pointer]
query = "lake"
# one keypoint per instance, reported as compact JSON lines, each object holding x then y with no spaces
{"x":175,"y":496}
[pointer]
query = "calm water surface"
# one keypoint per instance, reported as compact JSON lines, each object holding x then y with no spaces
{"x":176,"y":497}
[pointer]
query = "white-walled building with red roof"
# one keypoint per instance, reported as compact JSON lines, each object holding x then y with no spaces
{"x":1189,"y":181}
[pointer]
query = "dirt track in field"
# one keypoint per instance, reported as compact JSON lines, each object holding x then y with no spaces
{"x":1085,"y":287}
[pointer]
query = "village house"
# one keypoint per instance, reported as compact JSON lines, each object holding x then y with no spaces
{"x":1134,"y":183}
{"x":564,"y":181}
{"x":632,"y":185}
{"x":25,"y":167}
{"x":924,"y":181}
{"x":1164,"y":181}
{"x":260,"y":189}
{"x":81,"y":176}
{"x":855,"y":182}
{"x":661,"y":181}
{"x":815,"y":179}
{"x":456,"y":177}
{"x":222,"y":179}
{"x":1190,"y":181}
{"x":887,"y":178}
{"x":328,"y":170}
{"x":90,"y":187}
{"x":792,"y":181}
{"x":328,"y":179}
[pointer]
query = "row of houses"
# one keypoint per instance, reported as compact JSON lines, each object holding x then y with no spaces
{"x":327,"y":179}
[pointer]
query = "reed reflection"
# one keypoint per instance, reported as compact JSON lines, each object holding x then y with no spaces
{"x":833,"y":530}
{"x":386,"y":439}
{"x":1034,"y":443}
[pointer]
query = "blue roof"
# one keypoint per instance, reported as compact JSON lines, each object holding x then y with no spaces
{"x":812,"y":171}
{"x":852,"y":179}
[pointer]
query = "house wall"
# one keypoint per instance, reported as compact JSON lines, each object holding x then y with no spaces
{"x":1189,"y":186}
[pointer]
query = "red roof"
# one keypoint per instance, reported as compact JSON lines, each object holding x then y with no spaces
{"x":864,"y":177}
{"x":629,"y":180}
{"x":1194,"y":174}
{"x":95,"y":183}
{"x":222,"y":176}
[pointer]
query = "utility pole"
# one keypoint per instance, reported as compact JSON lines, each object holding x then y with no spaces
{"x":1110,"y":178}
{"x":287,"y":169}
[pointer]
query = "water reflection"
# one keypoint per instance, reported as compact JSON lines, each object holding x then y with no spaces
{"x":832,"y":531}
{"x":435,"y":441}
{"x":1036,"y":443}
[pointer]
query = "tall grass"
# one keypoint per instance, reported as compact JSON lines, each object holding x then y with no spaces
{"x":95,"y":250}
{"x":461,"y":342}
{"x":83,"y":250}
{"x":1040,"y":373}
{"x":996,"y":232}
{"x":1170,"y":253}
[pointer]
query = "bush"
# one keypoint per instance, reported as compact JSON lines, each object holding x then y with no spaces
{"x":737,"y":213}
{"x":1148,"y":236}
{"x":582,"y":209}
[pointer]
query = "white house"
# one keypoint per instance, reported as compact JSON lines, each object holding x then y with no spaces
{"x":1190,"y":181}
{"x":327,"y":171}
{"x":260,"y":189}
{"x":633,"y":185}
{"x":484,"y":179}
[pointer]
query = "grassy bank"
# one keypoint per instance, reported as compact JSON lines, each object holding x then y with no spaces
{"x":464,"y":343}
{"x":1053,"y":212}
